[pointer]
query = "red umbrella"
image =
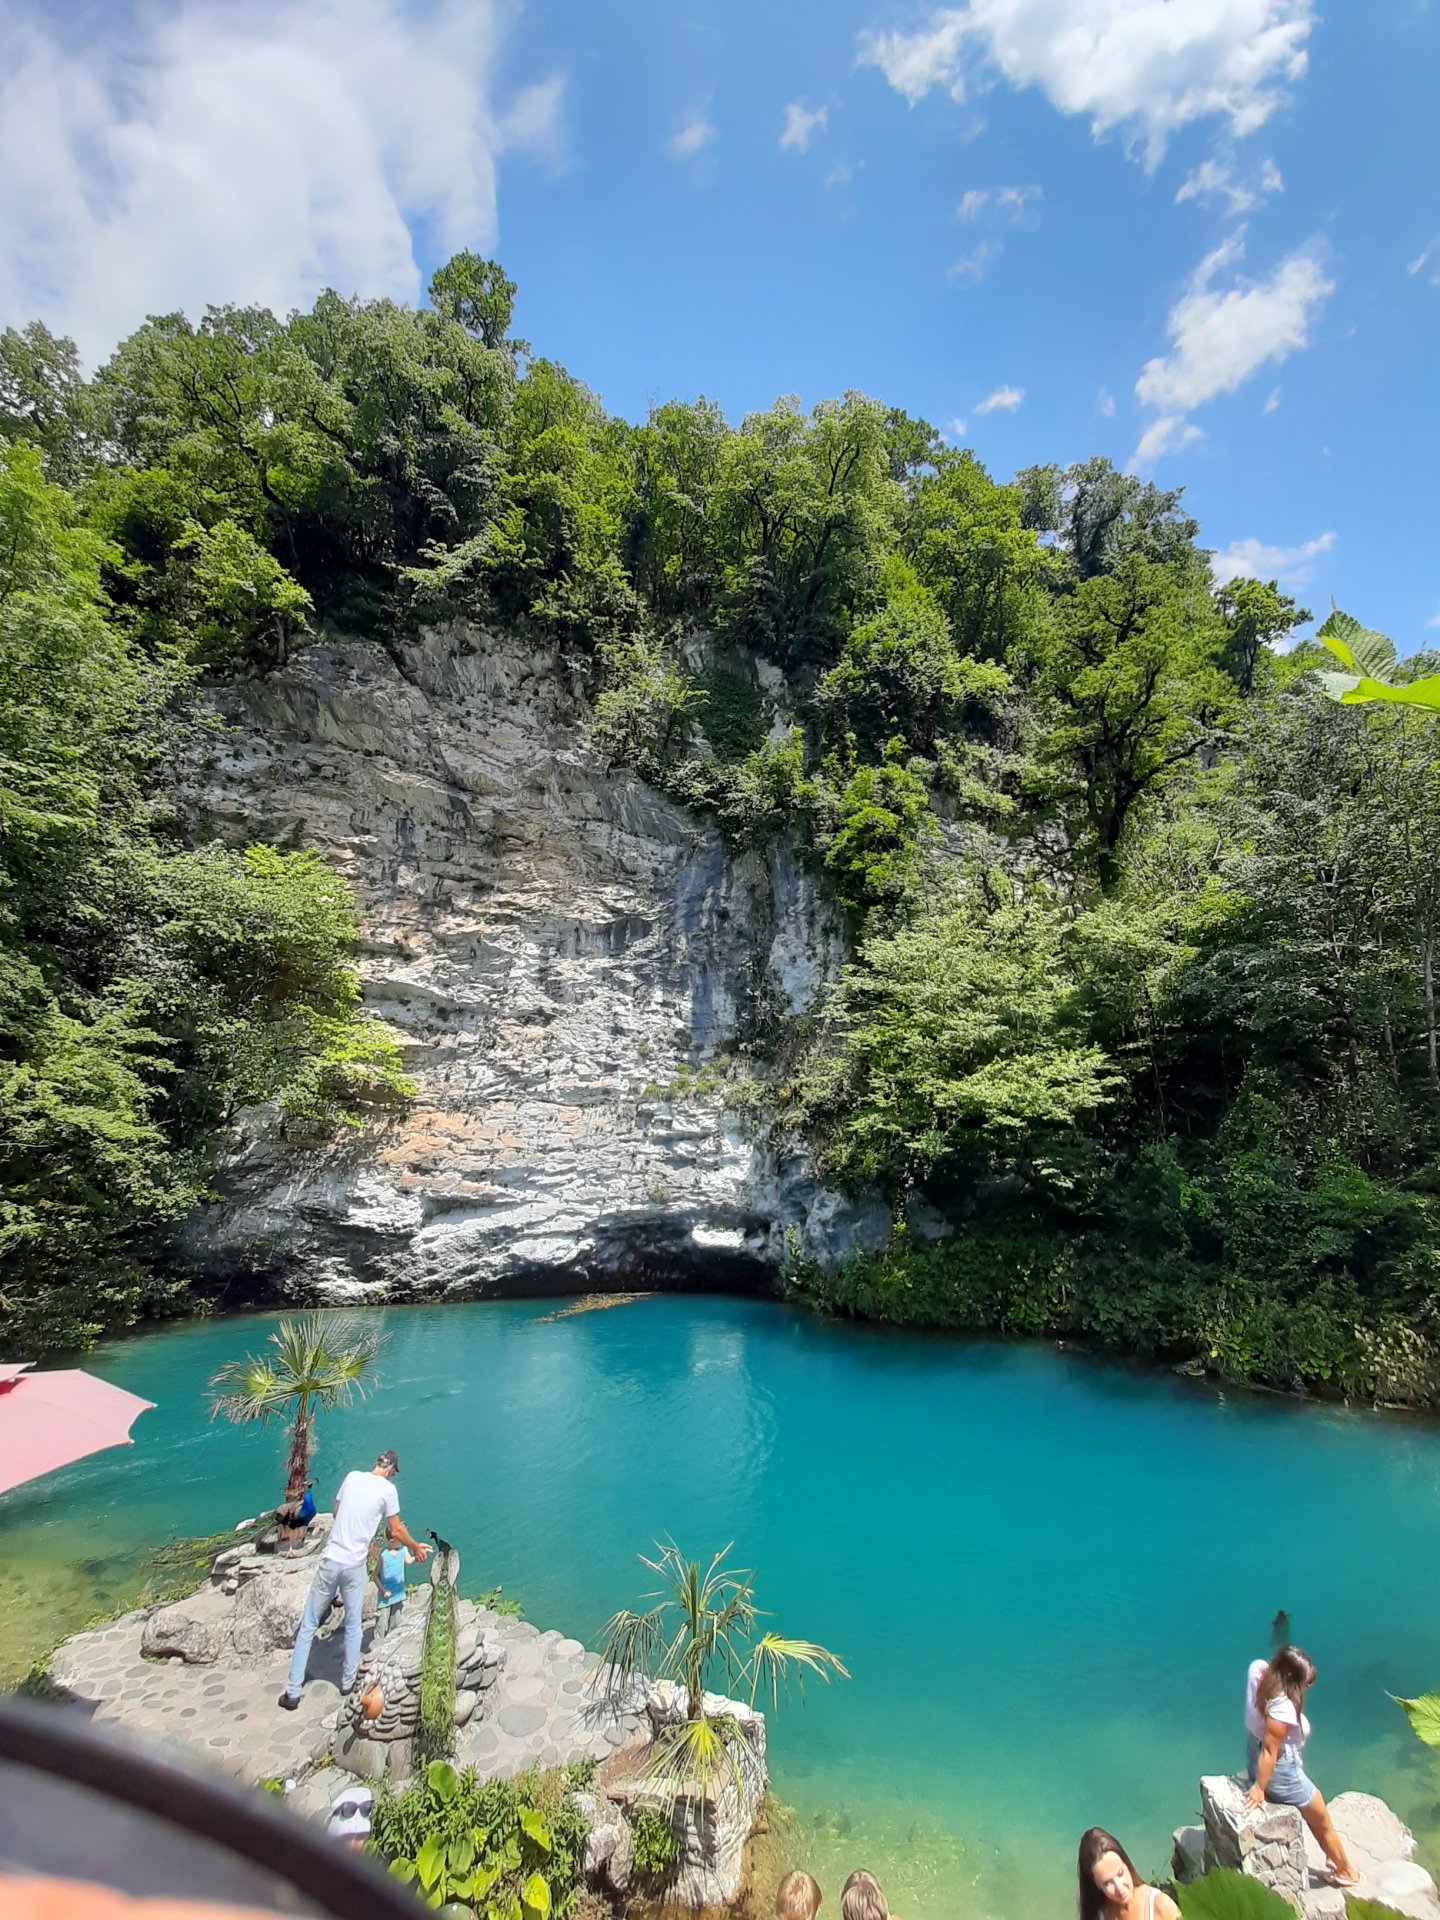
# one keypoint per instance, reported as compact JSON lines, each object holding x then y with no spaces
{"x":49,"y":1419}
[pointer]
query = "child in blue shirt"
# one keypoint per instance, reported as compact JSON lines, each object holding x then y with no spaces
{"x":390,"y":1579}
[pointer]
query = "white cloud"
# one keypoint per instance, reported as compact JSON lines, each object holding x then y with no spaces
{"x":1434,"y":620}
{"x":1169,"y":434}
{"x":956,"y":431}
{"x":1105,"y":404}
{"x":1220,"y":337}
{"x":971,"y":268}
{"x":1014,"y":201}
{"x":693,"y":135}
{"x":801,"y":125}
{"x":842,"y":171}
{"x":1216,"y":179}
{"x":1429,"y":258}
{"x":1253,"y":560}
{"x":1002,"y":400}
{"x":1273,"y":402}
{"x":209,"y":153}
{"x":1145,"y":67}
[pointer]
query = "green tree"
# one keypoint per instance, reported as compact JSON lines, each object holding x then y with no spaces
{"x":1257,"y":618}
{"x":1132,"y":667}
{"x":957,"y":1047}
{"x":44,"y":400}
{"x":705,"y":1626}
{"x":315,"y":1362}
{"x":477,"y":293}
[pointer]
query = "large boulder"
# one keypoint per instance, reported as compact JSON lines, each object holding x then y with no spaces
{"x":1265,"y":1842}
{"x":193,"y":1630}
{"x":268,"y":1610}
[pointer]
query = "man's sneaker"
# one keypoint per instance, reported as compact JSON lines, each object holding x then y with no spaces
{"x":290,"y":1701}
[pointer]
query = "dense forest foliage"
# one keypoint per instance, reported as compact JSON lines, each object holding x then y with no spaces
{"x":1139,"y":1033}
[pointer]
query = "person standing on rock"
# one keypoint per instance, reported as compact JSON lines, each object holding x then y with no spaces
{"x":1110,"y":1888}
{"x":1276,"y":1729}
{"x":364,"y":1500}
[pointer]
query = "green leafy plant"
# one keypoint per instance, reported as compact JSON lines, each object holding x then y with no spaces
{"x":653,"y":1833}
{"x":1423,"y":1713}
{"x":489,"y":1845}
{"x":705,"y":1624}
{"x":1369,"y":662}
{"x":317,"y":1361}
{"x":437,"y":1667}
{"x":1224,"y":1895}
{"x":498,"y":1601}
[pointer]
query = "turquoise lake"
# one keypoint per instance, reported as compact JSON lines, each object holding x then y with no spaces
{"x":1045,"y":1573}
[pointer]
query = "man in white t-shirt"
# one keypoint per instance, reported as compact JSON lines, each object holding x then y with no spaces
{"x":364,"y":1500}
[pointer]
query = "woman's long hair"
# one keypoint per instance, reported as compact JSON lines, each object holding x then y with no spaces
{"x":1094,"y":1845}
{"x":1290,"y":1672}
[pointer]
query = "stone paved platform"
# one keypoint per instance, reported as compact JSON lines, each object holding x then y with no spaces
{"x":547,"y":1708}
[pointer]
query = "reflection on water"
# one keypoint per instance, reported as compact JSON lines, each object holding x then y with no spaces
{"x":1046,"y":1575}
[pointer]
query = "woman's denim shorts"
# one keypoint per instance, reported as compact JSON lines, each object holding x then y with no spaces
{"x":1290,"y":1785}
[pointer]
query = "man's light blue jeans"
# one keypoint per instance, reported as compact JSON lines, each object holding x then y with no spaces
{"x":349,"y":1582}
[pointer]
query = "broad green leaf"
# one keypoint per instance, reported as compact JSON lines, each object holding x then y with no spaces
{"x":535,"y":1896}
{"x":1423,"y":1714}
{"x":533,"y":1821}
{"x":1338,"y":685}
{"x":430,"y":1861}
{"x":402,"y":1869}
{"x":444,"y":1780}
{"x":1367,"y":1909}
{"x":1415,"y":693}
{"x":1224,"y":1895}
{"x":1360,"y":649}
{"x":462,"y":1856}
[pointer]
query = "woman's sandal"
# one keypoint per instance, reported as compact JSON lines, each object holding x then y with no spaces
{"x":1349,"y":1880}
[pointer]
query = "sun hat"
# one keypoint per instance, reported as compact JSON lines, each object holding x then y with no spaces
{"x":350,"y":1812}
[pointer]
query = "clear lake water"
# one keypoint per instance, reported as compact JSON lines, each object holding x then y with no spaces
{"x":1046,"y":1573}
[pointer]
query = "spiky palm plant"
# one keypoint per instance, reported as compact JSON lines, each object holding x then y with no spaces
{"x":705,"y":1623}
{"x":314,"y":1361}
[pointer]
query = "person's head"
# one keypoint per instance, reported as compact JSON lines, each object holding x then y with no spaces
{"x":1292,"y":1672}
{"x":388,"y":1463}
{"x":861,"y":1898}
{"x":1104,"y":1873}
{"x":797,"y":1898}
{"x":349,"y":1821}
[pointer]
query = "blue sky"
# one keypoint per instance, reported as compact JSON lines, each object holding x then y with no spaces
{"x":1200,"y":236}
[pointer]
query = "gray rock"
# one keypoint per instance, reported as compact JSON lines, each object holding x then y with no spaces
{"x":192,"y":1630}
{"x":554,"y":940}
{"x":1265,"y":1842}
{"x":268,"y":1610}
{"x":1187,"y":1856}
{"x":354,"y":1754}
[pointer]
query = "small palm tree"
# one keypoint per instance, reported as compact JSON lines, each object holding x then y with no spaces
{"x":316,"y":1361}
{"x":705,"y":1623}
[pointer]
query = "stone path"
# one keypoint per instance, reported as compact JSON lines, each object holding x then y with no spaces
{"x":546,"y":1708}
{"x":222,"y":1716}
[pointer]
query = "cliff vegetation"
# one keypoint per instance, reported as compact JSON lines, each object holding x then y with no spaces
{"x":1138,"y":1037}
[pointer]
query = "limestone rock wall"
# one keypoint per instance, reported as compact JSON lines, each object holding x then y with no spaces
{"x":562,"y":949}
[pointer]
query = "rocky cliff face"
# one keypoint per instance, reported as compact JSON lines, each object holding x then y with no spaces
{"x":566,"y":953}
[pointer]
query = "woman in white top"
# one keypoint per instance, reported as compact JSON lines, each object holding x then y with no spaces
{"x":1276,"y":1729}
{"x":1110,"y":1888}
